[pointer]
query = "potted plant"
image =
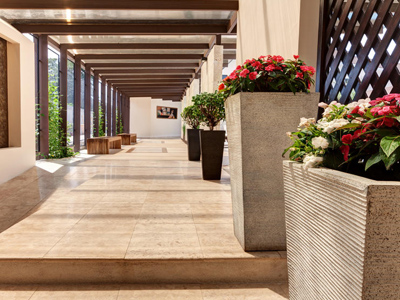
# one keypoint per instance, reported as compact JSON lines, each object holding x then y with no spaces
{"x":191,"y":115}
{"x":211,"y":107}
{"x":343,"y":217}
{"x":265,"y":97}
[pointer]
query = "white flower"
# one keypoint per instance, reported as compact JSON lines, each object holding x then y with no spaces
{"x":311,"y":161}
{"x":304,"y":122}
{"x":323,"y":105}
{"x":289,"y":134}
{"x":328,"y":127}
{"x":320,"y":142}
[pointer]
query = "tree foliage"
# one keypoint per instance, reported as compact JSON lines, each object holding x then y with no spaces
{"x":211,"y":106}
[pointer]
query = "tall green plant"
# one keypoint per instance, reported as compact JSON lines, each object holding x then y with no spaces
{"x":120,"y":126}
{"x":192,"y":116}
{"x":57,"y":149}
{"x":101,"y":121}
{"x":211,"y":106}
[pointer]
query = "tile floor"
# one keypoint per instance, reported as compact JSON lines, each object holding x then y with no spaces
{"x":147,"y":203}
{"x":146,"y":292}
{"x":61,"y":206}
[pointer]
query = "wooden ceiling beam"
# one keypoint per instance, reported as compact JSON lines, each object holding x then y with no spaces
{"x":168,"y":81}
{"x":123,"y":4}
{"x":153,"y":76}
{"x":121,"y":29}
{"x":142,"y":65}
{"x":144,"y":71}
{"x":146,"y":46}
{"x":139,"y":56}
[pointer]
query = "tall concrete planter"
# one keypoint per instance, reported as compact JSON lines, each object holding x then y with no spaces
{"x":257,"y":124}
{"x":343,"y":235}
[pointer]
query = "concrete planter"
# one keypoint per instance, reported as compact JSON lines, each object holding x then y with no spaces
{"x":343,"y":235}
{"x":257,"y":124}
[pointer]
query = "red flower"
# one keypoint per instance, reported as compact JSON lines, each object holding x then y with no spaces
{"x":244,"y":73}
{"x":238,"y":67}
{"x":375,"y":110}
{"x":359,"y":132}
{"x":296,"y":57}
{"x":299,"y":75}
{"x":278,"y":58}
{"x":347,"y":139}
{"x":356,"y":110}
{"x":345,"y":151}
{"x":253,"y":75}
{"x":257,"y":65}
{"x":233,"y":76}
{"x":221,"y":86}
{"x":270,"y":68}
{"x":308,"y":69}
{"x":388,"y":122}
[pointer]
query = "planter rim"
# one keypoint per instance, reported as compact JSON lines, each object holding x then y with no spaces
{"x":274,"y":93}
{"x":339,"y":176}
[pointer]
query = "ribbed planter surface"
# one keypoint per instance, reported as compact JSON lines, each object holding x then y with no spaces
{"x":257,"y":124}
{"x":343,"y":235}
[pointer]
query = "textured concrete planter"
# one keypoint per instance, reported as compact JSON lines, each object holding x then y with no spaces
{"x":343,"y":235}
{"x":193,"y":143}
{"x":257,"y":124}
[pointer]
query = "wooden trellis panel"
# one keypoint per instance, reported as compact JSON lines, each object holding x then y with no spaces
{"x":359,"y":49}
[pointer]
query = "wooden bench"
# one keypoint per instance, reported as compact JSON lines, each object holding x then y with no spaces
{"x":128,"y":138}
{"x":102,"y":145}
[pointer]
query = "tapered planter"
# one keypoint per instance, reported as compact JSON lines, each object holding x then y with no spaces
{"x":194,"y":151}
{"x":343,"y":235}
{"x":212,"y":153}
{"x":257,"y":124}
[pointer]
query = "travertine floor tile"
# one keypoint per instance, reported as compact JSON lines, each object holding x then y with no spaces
{"x":96,"y":292}
{"x":89,"y":245}
{"x":12,"y":292}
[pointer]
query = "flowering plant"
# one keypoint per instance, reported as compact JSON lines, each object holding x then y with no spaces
{"x":362,"y":138}
{"x":269,"y":74}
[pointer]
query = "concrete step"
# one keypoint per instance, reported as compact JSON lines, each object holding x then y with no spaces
{"x":135,"y":271}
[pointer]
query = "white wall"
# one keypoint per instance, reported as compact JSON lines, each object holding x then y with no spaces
{"x":21,"y":101}
{"x":144,"y":122}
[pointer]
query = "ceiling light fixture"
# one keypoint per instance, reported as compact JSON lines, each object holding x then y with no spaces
{"x":68,"y":15}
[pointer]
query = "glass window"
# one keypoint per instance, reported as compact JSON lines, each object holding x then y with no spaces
{"x":91,"y":105}
{"x":83,"y":107}
{"x":70,"y":101}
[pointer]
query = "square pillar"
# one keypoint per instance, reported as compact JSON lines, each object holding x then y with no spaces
{"x":96,"y":105}
{"x":43,"y":95}
{"x":109,"y":109}
{"x":87,"y":103}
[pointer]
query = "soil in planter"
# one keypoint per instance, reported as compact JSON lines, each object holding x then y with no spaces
{"x":357,"y":167}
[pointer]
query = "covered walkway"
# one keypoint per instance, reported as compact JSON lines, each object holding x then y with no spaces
{"x":140,"y":215}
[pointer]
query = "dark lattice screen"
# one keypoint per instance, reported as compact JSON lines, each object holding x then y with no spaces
{"x":359,"y":49}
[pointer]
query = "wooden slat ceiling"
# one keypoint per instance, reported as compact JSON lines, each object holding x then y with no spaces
{"x":151,"y":48}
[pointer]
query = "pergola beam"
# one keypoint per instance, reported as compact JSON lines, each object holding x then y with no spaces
{"x":142,"y":65}
{"x":121,"y":29}
{"x":144,"y":71}
{"x":154,"y":76}
{"x":139,"y":56}
{"x":123,"y":4}
{"x":140,"y":46}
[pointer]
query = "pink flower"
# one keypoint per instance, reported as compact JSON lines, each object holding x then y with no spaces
{"x":233,"y":76}
{"x":253,"y":75}
{"x":238,"y":67}
{"x":244,"y":73}
{"x":308,"y":69}
{"x":299,"y":75}
{"x":384,"y":111}
{"x":375,"y":110}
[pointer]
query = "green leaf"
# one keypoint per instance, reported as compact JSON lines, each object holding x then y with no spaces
{"x":389,"y":144}
{"x":389,"y":161}
{"x":374,"y":159}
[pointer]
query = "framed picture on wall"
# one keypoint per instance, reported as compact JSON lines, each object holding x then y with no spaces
{"x":164,"y":112}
